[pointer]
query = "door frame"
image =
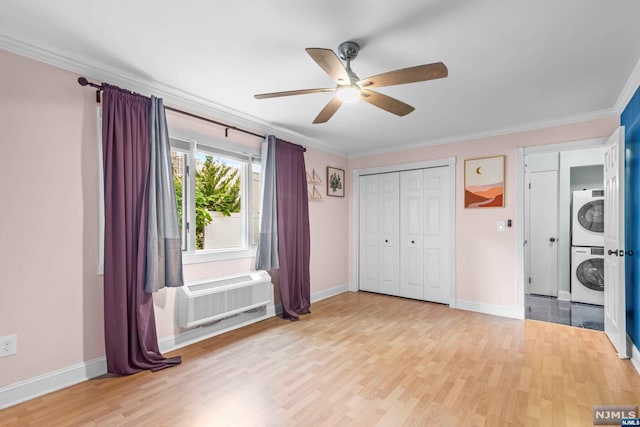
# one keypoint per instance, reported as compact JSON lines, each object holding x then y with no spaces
{"x":521,"y":265}
{"x":356,"y":173}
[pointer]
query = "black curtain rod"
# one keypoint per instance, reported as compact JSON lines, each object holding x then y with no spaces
{"x":84,"y":82}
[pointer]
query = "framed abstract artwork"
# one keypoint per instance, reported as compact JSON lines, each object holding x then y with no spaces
{"x":335,"y":182}
{"x":484,"y":182}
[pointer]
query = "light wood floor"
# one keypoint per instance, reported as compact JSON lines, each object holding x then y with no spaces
{"x":362,"y":359}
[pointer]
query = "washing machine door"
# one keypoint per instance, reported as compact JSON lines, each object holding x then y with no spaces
{"x":591,"y":216}
{"x":590,"y":273}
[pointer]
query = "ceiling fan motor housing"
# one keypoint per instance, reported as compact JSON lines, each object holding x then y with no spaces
{"x":348,"y":50}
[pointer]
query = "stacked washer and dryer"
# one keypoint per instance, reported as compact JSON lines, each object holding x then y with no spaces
{"x":587,"y":247}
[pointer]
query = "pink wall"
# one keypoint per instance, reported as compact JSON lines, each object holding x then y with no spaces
{"x":329,"y":227}
{"x":486,"y":263}
{"x":50,"y":292}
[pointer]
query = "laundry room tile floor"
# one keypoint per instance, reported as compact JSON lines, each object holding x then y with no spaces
{"x":550,"y":309}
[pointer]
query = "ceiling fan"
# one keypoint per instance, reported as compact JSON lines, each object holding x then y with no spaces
{"x":349,"y":87}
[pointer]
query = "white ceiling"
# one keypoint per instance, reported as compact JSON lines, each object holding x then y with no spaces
{"x":513,"y":64}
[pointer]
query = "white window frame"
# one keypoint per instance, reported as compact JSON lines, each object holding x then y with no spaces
{"x":189,"y":142}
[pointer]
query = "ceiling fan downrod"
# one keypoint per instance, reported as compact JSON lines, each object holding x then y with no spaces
{"x":348,"y":51}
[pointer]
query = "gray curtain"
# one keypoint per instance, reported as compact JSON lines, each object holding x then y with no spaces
{"x":164,"y":249}
{"x":267,"y":253}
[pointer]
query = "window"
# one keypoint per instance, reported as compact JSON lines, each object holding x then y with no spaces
{"x":218,"y":195}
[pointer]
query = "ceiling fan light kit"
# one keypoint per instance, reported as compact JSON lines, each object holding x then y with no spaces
{"x":349,"y":87}
{"x":348,"y":93}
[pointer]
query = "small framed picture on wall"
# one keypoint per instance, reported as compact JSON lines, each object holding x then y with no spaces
{"x":335,"y":182}
{"x":484,"y":182}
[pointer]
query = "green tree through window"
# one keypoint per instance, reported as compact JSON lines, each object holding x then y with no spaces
{"x":217,"y":189}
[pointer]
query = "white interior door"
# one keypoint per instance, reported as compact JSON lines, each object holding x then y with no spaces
{"x":411,"y":234}
{"x":543,"y":233}
{"x":369,"y":235}
{"x":438,"y":214}
{"x":389,"y":226}
{"x":614,"y":274}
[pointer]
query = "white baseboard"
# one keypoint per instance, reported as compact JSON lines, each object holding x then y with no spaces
{"x":22,"y":391}
{"x":31,"y":388}
{"x":513,"y":312}
{"x":564,"y":296}
{"x":635,"y":358}
{"x":328,"y":293}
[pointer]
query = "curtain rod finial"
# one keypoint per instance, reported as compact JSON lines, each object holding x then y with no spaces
{"x":83,"y":81}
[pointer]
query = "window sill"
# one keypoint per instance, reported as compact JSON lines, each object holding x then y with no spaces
{"x":210,"y":256}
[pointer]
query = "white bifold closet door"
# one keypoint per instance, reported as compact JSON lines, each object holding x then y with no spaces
{"x":405,"y":220}
{"x":425,"y":212}
{"x":379,"y":233}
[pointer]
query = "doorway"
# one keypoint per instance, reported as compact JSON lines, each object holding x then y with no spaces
{"x":551,"y":176}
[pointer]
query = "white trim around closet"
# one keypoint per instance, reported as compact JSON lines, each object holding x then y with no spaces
{"x":448,"y":161}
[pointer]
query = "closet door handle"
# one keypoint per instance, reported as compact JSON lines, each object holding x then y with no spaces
{"x":413,"y":241}
{"x":386,"y":240}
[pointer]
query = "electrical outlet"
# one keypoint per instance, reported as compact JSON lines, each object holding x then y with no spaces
{"x":8,"y":345}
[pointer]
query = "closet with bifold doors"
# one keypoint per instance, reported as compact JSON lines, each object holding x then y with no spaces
{"x":405,"y":233}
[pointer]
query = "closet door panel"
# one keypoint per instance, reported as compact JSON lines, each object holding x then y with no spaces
{"x":411,"y":234}
{"x":369,"y":234}
{"x":437,"y":226}
{"x":389,"y":223}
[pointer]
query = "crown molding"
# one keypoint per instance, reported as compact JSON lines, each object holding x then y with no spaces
{"x":491,"y":134}
{"x":175,"y":97}
{"x":197,"y":104}
{"x":629,"y":89}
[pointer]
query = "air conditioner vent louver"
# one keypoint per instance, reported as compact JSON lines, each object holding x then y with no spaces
{"x":206,"y":301}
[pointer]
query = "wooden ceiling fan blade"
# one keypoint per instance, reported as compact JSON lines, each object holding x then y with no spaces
{"x":328,"y":111}
{"x":415,"y":74}
{"x":292,"y":92}
{"x":385,"y":102}
{"x":330,"y":63}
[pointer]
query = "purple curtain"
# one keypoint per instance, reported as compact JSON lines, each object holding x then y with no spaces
{"x":294,"y":245}
{"x":130,"y":329}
